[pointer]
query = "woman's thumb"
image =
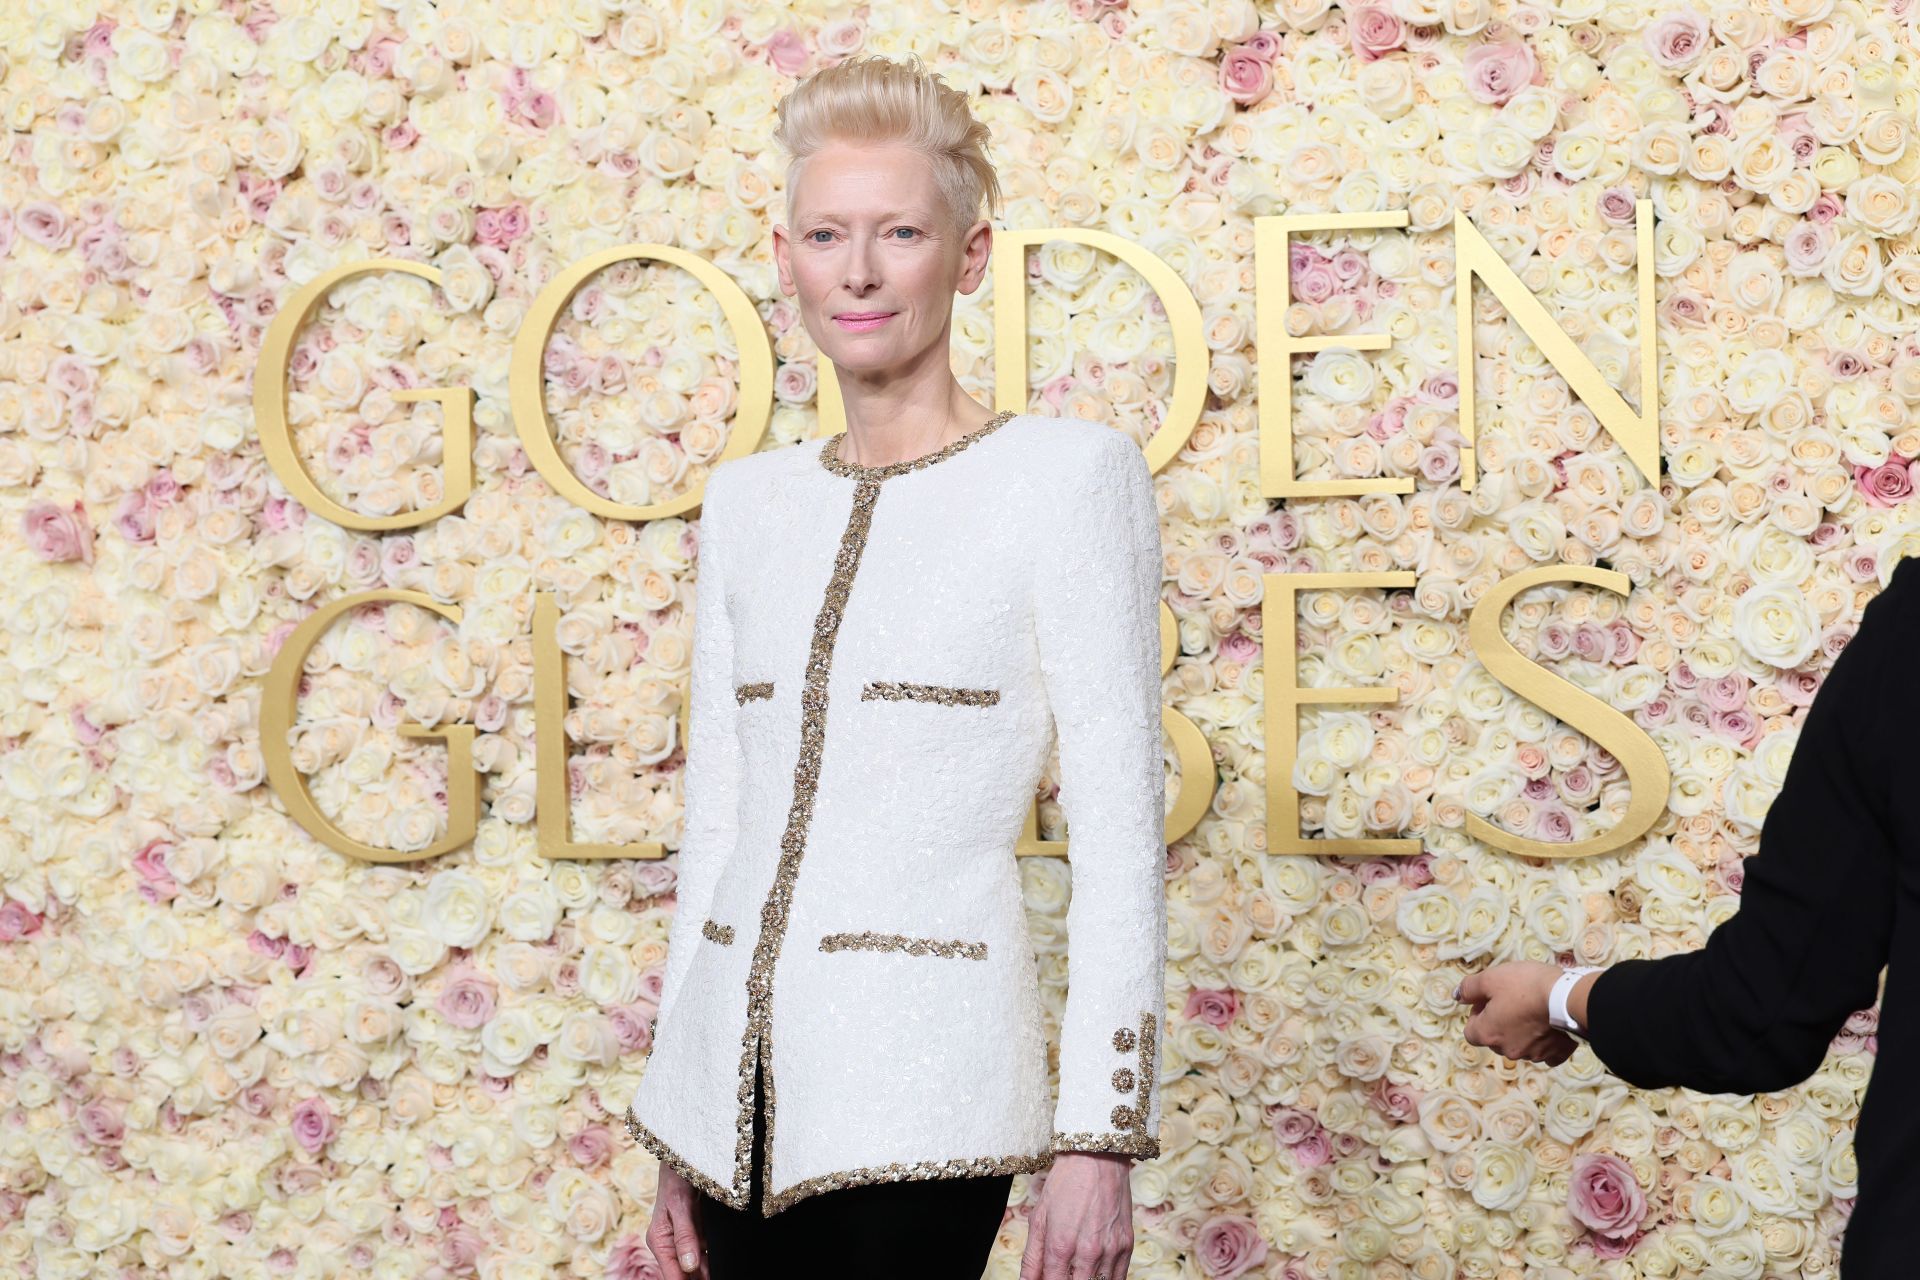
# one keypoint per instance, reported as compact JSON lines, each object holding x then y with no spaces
{"x":686,"y":1244}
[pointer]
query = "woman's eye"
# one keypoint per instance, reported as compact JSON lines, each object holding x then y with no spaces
{"x":822,"y":232}
{"x":909,"y":230}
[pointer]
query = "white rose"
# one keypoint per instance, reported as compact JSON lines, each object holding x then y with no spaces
{"x":1502,"y":1176}
{"x":1341,"y":376}
{"x":607,"y":977}
{"x":1774,"y":623}
{"x":456,"y":909}
{"x":1718,"y":1206}
{"x":508,"y":1040}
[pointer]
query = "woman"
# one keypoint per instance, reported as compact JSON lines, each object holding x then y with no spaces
{"x":851,"y":1057}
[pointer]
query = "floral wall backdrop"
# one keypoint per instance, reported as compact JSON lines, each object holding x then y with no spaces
{"x":229,"y":1051}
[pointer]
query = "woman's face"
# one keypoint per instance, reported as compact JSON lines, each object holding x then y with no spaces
{"x":869,"y":256}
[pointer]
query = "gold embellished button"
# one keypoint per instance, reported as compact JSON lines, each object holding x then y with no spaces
{"x":1123,"y":1080}
{"x":1122,"y":1117}
{"x":1123,"y":1040}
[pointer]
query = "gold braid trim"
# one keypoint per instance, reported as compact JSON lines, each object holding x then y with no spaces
{"x":1131,"y":1144}
{"x":665,"y":1155}
{"x":756,"y":1042}
{"x":830,"y":453}
{"x":899,"y":942}
{"x":720,"y":933}
{"x":745,"y":693}
{"x":946,"y":694}
{"x":919,"y":1169}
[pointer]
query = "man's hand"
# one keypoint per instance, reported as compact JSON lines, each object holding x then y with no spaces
{"x":1510,"y":1012}
{"x":673,"y":1233}
{"x":1082,"y":1229}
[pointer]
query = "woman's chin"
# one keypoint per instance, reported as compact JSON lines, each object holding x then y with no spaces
{"x":861,"y":357}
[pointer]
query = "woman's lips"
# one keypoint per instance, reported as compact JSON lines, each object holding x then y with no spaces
{"x":858,"y":323}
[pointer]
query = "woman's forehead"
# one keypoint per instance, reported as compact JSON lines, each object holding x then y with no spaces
{"x":874,"y":181}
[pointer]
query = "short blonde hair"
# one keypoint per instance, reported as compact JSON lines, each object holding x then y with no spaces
{"x":875,"y":99}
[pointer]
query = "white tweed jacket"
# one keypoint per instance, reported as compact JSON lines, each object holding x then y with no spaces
{"x":882,"y":656}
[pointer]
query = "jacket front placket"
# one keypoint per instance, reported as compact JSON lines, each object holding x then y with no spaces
{"x":756,"y":1042}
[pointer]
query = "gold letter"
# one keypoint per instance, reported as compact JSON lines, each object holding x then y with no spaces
{"x":281,"y":702}
{"x":276,"y":434}
{"x":1275,"y":348}
{"x":1638,"y":433}
{"x":1285,"y":697}
{"x":1639,"y":754}
{"x":553,"y":796}
{"x":526,"y":379}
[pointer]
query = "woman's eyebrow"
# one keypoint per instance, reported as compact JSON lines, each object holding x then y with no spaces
{"x":879,"y":217}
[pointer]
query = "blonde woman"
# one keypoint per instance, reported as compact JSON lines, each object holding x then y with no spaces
{"x":893,"y":625}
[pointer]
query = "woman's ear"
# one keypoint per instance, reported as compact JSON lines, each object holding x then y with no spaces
{"x":977,"y":248}
{"x":780,"y":262}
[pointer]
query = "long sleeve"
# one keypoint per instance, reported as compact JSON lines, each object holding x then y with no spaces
{"x":1755,"y":1009}
{"x":711,"y":785}
{"x":1096,"y":610}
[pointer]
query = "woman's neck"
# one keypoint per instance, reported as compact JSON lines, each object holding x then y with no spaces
{"x":879,"y":435}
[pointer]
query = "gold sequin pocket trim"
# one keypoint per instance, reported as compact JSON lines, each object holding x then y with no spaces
{"x":868,"y":941}
{"x":945,"y":694}
{"x":720,"y":933}
{"x":745,"y":693}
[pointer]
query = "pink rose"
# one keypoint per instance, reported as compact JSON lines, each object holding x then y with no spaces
{"x":787,"y":51}
{"x":1677,"y":39}
{"x":1262,"y":44}
{"x":632,"y":1025}
{"x":1229,"y":1245}
{"x":1604,"y":1196}
{"x":99,"y":1123}
{"x":467,"y":999}
{"x":1245,"y":77}
{"x":590,"y":1147}
{"x":1313,"y":1150}
{"x":1806,"y":248}
{"x":1495,"y":72}
{"x":1887,"y":484}
{"x":631,"y":1259}
{"x":17,"y":921}
{"x":1292,"y":1126}
{"x":1311,"y":274}
{"x":312,"y":1124}
{"x":1374,"y":32}
{"x":1611,"y":1247}
{"x":55,"y":533}
{"x":1215,"y":1007}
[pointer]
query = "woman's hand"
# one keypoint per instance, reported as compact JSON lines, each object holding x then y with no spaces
{"x":1082,"y":1229}
{"x":673,"y":1233}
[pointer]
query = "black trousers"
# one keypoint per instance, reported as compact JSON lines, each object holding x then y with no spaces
{"x":931,"y":1229}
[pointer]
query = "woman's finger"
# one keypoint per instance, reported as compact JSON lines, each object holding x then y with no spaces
{"x":1033,"y":1259}
{"x":686,"y":1241}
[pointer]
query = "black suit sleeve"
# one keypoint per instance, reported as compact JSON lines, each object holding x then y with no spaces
{"x":1756,"y":1008}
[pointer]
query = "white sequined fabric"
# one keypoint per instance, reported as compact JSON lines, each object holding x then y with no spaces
{"x":913,"y":637}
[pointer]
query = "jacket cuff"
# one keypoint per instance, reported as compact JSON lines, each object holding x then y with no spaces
{"x":1128,"y":1092}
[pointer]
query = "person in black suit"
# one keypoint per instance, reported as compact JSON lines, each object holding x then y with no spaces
{"x":1831,"y":898}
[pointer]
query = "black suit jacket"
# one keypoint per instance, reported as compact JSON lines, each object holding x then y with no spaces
{"x":1830,"y":900}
